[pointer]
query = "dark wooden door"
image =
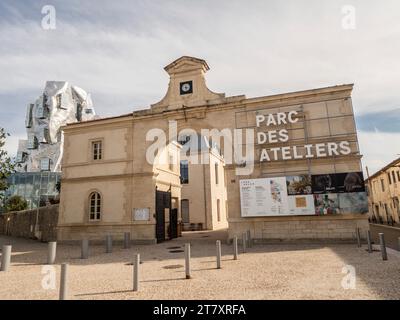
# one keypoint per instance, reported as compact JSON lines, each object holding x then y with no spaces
{"x":163,"y":201}
{"x":160,"y":219}
{"x":173,"y":223}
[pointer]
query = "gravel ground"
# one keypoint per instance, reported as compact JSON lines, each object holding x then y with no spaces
{"x":392,"y":235}
{"x":275,"y":271}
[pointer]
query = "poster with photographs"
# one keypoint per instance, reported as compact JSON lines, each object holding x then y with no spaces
{"x":323,"y":183}
{"x":304,"y":195}
{"x":301,"y":205}
{"x":349,"y":182}
{"x":354,"y":202}
{"x":326,"y":204}
{"x":299,"y":184}
{"x":338,"y":183}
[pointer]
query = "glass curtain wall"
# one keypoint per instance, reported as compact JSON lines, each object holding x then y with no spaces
{"x":37,"y":188}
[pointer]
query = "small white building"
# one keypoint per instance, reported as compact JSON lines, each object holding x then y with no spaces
{"x":204,"y":197}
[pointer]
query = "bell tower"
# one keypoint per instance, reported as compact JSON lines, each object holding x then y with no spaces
{"x":187,"y":85}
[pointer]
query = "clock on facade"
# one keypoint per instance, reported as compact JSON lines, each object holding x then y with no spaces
{"x":186,"y":87}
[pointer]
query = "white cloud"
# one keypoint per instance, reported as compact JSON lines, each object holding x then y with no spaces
{"x":378,"y":149}
{"x":117,"y":51}
{"x":12,"y":144}
{"x":260,"y":49}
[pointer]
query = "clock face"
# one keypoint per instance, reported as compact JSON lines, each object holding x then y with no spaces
{"x":186,"y":87}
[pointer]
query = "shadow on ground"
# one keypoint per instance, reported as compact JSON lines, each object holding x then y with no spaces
{"x":31,"y":252}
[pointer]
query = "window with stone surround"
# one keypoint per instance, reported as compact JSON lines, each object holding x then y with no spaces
{"x":216,"y":172}
{"x":94,"y":206}
{"x":97,"y":150}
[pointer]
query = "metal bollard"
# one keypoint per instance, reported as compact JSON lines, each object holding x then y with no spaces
{"x":136,"y":264}
{"x":85,"y":249}
{"x":235,"y":248}
{"x":127,"y":240}
{"x":383,"y":246}
{"x":244,"y":241}
{"x":358,"y":237}
{"x":5,"y":258}
{"x":218,"y":254}
{"x":52,"y":251}
{"x":109,"y":244}
{"x":249,"y":244}
{"x":369,"y":241}
{"x":63,"y":282}
{"x":187,"y":260}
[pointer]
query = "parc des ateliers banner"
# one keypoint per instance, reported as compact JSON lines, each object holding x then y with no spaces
{"x":336,"y":193}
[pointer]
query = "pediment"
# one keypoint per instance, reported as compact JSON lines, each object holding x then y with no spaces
{"x":191,"y":72}
{"x":185,"y":64}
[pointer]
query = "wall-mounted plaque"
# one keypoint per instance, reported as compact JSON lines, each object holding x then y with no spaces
{"x":141,"y":214}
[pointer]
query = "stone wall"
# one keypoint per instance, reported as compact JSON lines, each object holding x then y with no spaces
{"x":22,"y":223}
{"x":330,"y":228}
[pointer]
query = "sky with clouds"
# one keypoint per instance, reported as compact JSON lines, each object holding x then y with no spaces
{"x":116,"y":50}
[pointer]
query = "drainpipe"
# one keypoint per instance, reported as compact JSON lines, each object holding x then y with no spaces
{"x":36,"y":228}
{"x":205,"y":197}
{"x":371,"y":192}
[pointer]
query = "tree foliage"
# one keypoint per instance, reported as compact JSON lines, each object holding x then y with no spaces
{"x":16,"y":203}
{"x":7,"y":166}
{"x":58,"y":186}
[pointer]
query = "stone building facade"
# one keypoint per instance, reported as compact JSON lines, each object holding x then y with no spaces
{"x":310,"y":132}
{"x":384,"y":194}
{"x":107,"y":186}
{"x":203,"y":193}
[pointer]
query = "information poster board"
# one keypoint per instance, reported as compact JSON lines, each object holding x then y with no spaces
{"x":269,"y":197}
{"x":340,"y":193}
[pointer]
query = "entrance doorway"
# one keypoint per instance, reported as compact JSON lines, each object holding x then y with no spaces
{"x":166,"y":217}
{"x":173,"y":223}
{"x":185,"y":210}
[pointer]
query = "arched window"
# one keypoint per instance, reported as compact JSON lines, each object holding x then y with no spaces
{"x":94,"y":206}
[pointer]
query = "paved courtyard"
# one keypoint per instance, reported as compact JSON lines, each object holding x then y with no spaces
{"x":392,"y":235}
{"x":274,"y":271}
